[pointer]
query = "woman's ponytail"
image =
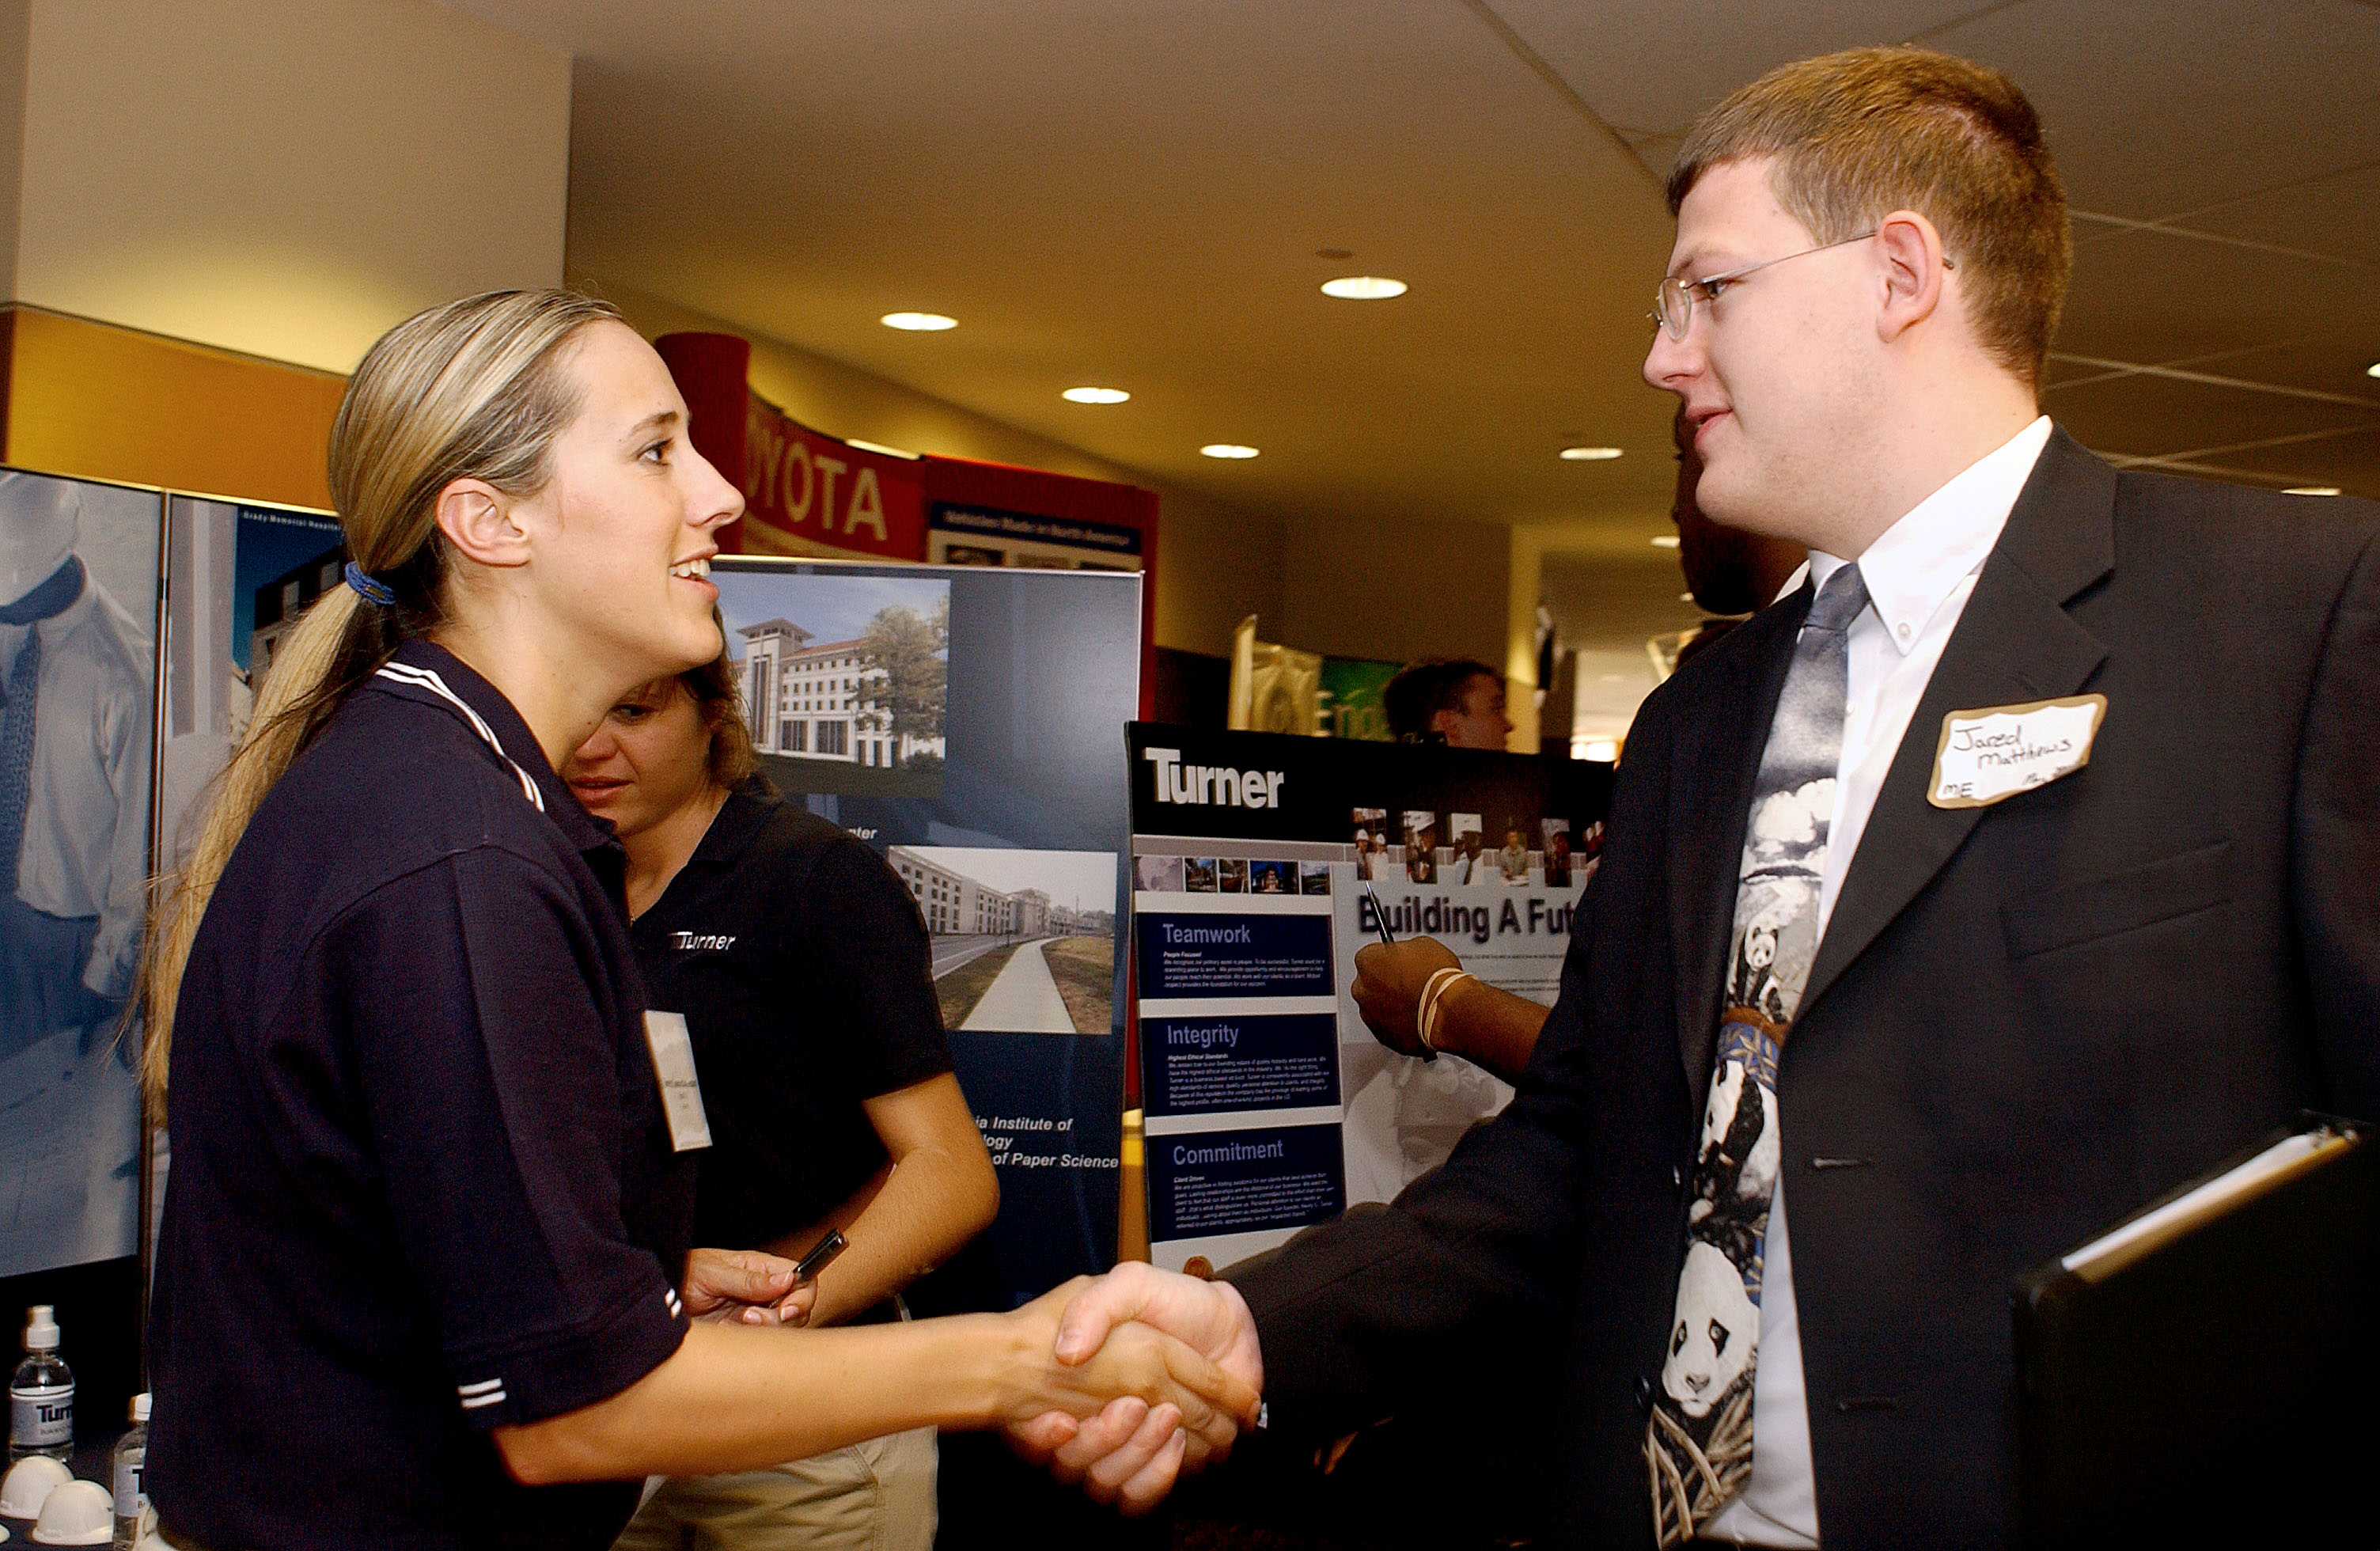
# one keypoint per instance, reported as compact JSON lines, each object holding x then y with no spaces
{"x":471,"y":390}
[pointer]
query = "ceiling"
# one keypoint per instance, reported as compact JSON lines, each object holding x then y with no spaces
{"x":1132,"y":193}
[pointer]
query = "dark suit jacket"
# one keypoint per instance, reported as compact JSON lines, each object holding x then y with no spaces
{"x":2024,"y":1020}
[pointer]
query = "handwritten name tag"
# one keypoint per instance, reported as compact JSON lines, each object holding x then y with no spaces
{"x":1995,"y":753}
{"x":673,"y":1051}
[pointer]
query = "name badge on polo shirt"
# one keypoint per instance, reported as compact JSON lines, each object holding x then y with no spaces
{"x":673,"y":1051}
{"x":1991,"y":755}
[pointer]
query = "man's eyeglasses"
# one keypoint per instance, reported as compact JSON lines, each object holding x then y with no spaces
{"x":1673,"y":302}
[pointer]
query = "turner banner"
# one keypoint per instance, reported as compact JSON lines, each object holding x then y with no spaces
{"x":1261,"y":864}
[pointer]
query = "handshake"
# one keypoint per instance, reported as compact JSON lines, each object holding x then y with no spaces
{"x":1119,"y":1382}
{"x":1142,"y":1374}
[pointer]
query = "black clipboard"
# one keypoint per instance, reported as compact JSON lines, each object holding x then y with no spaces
{"x":2212,"y":1376}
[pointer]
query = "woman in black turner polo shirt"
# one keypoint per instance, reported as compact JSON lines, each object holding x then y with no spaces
{"x":425,"y":1237}
{"x":804,"y":976}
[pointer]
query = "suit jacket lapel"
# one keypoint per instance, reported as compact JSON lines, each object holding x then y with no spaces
{"x":1715,"y":764}
{"x":2014,"y":643}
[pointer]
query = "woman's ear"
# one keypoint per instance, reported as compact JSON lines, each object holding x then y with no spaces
{"x":1911,"y":251}
{"x":479,"y":520}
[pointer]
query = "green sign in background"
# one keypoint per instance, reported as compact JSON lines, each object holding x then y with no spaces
{"x":1351,"y":702}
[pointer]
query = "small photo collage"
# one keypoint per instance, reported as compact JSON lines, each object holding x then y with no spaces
{"x":1229,"y":875}
{"x":1511,"y":851}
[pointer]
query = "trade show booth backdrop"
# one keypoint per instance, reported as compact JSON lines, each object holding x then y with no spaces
{"x":1261,"y":864}
{"x":987,"y":780}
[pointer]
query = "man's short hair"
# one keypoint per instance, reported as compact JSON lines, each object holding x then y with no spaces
{"x":1423,"y":689}
{"x":1860,"y":134}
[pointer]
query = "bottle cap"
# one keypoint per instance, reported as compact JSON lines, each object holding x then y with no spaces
{"x":141,"y":1406}
{"x":42,"y":1328}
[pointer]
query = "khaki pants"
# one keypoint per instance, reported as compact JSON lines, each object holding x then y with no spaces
{"x":877,"y":1496}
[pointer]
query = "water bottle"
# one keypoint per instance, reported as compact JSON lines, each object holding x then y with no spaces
{"x":41,"y":1398}
{"x":131,"y":1454}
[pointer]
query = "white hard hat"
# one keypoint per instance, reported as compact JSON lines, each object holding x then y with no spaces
{"x":27,"y":1486}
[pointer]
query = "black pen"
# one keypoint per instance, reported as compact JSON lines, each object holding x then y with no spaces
{"x":1379,"y":918}
{"x":808,"y":1267}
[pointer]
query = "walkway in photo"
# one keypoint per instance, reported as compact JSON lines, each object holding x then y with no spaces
{"x":1025,"y":1000}
{"x":952,"y":953}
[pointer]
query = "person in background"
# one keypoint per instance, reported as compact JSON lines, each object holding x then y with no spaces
{"x":806,"y":980}
{"x":1732,"y":571}
{"x":1451,"y":700}
{"x":425,"y":1276}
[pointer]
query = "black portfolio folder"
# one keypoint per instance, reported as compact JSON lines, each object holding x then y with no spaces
{"x":2205,"y":1372}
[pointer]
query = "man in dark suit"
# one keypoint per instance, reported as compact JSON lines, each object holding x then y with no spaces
{"x":2047,"y":804}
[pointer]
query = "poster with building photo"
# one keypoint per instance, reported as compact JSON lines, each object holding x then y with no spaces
{"x":1269,"y":1104}
{"x":78,"y":565}
{"x":846,"y":680}
{"x":1004,"y":815}
{"x":240,"y":576}
{"x":1024,"y":941}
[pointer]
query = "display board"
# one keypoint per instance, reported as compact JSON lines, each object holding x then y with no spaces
{"x":966,"y":723}
{"x":78,"y":598}
{"x":1261,"y":864}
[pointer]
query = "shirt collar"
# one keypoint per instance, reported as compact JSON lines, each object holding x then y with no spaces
{"x":1914,"y":565}
{"x":738,"y":819}
{"x":517,"y":744}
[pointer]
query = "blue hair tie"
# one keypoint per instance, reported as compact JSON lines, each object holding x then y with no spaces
{"x":370,"y":589}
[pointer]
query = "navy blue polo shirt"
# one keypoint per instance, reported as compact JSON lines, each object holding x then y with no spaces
{"x":806,"y":980}
{"x":421,"y":1182}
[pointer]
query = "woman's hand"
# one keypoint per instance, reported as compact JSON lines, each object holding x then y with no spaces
{"x":1124,"y":1414}
{"x":745,"y":1286}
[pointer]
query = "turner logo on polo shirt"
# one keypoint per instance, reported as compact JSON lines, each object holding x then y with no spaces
{"x":1211,"y":785}
{"x":707,"y":941}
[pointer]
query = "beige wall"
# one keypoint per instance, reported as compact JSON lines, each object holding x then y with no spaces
{"x":15,"y":23}
{"x":1396,"y":592}
{"x":283,"y":177}
{"x":1214,"y":564}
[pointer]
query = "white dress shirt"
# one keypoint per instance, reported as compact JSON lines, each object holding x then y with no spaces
{"x":86,"y":843}
{"x":1919,"y":573}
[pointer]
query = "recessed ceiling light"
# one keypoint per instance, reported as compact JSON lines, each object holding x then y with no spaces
{"x":1094,"y":396}
{"x":918,"y":322}
{"x":2312,"y":490}
{"x":880,"y":447}
{"x":1665,"y":541}
{"x":1685,"y":598}
{"x":1589,"y":454}
{"x":1364,"y":287}
{"x":2372,"y":370}
{"x":1227,"y":449}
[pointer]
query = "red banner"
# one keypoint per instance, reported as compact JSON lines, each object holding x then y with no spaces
{"x":803,"y":489}
{"x":803,"y":492}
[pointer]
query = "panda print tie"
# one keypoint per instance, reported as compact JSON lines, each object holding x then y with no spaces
{"x":1698,"y":1442}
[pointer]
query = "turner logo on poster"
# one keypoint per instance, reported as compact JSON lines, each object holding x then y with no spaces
{"x":1212,"y":785}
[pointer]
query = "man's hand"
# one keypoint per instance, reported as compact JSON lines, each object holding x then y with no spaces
{"x":1178,"y":1399}
{"x":1122,"y":1451}
{"x":1389,"y":981}
{"x":745,"y":1286}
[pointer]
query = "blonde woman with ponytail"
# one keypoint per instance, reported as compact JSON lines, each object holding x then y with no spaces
{"x":424,"y":1277}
